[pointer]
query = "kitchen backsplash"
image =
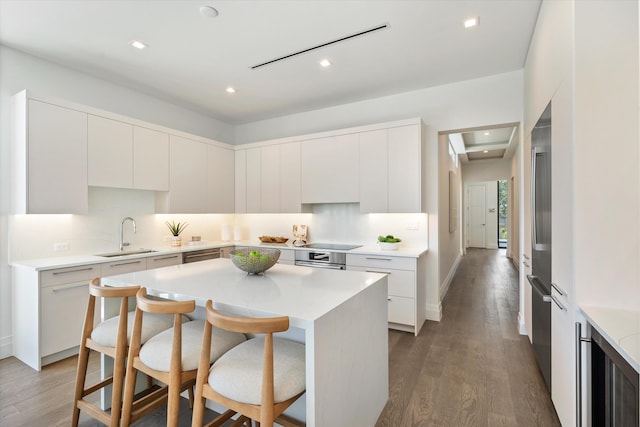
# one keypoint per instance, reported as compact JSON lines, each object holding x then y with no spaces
{"x":34,"y":236}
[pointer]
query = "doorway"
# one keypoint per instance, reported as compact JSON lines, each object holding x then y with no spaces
{"x":503,"y":215}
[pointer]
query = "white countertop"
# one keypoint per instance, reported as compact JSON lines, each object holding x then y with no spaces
{"x":77,"y":260}
{"x":621,"y":328}
{"x":304,"y":294}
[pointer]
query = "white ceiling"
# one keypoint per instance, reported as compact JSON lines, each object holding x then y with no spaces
{"x":191,"y":59}
{"x":485,"y":143}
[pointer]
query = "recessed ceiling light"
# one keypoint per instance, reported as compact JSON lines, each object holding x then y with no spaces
{"x":325,"y":63}
{"x":208,"y":11}
{"x":137,"y":44}
{"x":485,"y":151}
{"x":230,"y":90}
{"x":486,"y":134}
{"x":471,"y":22}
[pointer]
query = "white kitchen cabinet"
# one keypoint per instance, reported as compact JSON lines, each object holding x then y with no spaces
{"x":330,"y":169}
{"x":270,"y":168}
{"x":240,"y":174}
{"x":374,"y":171}
{"x":290,"y":176}
{"x":49,"y":305}
{"x":254,"y":175}
{"x":187,"y":178}
{"x":164,"y":260}
{"x":48,"y":312}
{"x":391,"y":170}
{"x":122,"y":155}
{"x":406,"y":287}
{"x":49,"y":157}
{"x":248,"y":187}
{"x":150,"y":159}
{"x":122,"y":266}
{"x":220,"y":180}
{"x":405,"y":169}
{"x":110,"y":152}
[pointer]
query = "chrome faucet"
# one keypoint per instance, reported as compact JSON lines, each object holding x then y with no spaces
{"x":122,"y":242}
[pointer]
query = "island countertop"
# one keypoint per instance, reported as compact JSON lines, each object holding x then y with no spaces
{"x":303,"y":294}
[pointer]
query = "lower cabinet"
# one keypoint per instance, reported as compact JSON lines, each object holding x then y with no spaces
{"x":405,"y":285}
{"x":49,"y":306}
{"x":287,"y":256}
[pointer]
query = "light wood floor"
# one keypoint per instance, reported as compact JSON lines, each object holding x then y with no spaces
{"x":470,"y":369}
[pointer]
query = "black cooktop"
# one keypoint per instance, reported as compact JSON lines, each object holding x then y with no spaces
{"x":331,"y":246}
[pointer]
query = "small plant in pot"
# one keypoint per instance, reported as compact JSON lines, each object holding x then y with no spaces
{"x":176,"y":229}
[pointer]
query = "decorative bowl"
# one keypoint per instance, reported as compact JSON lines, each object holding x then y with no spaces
{"x":254,"y":260}
{"x":386,"y":246}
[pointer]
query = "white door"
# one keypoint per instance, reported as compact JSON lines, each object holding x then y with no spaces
{"x":476,"y":216}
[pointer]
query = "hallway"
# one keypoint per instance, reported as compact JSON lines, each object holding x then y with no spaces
{"x":472,"y":368}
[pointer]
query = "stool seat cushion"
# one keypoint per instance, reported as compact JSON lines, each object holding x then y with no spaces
{"x":237,"y":374}
{"x":152,"y":324}
{"x":156,"y":353}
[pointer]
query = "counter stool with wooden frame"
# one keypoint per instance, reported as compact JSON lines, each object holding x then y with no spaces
{"x":170,"y":357}
{"x":111,"y":338}
{"x":257,"y":379}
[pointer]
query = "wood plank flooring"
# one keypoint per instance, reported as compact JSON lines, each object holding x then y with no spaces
{"x":470,"y":369}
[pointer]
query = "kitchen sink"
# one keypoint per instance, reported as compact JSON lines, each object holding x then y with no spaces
{"x":127,"y":253}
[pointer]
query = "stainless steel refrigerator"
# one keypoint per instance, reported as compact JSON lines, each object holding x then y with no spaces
{"x":540,"y":278}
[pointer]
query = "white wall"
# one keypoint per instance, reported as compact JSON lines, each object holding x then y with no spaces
{"x":474,"y":103}
{"x":449,"y":242}
{"x":19,"y":71}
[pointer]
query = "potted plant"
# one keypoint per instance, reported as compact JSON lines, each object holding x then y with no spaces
{"x":175,"y":230}
{"x":388,"y":242}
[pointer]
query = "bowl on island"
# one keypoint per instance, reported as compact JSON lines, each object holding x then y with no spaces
{"x":254,"y":260}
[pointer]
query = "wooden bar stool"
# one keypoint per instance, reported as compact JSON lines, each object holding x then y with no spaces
{"x":111,"y":338}
{"x":170,"y":357}
{"x":258,"y":378}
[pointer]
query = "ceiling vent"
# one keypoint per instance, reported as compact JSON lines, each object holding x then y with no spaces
{"x":341,"y":39}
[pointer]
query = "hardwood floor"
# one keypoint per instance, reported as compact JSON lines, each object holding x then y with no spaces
{"x":470,"y":369}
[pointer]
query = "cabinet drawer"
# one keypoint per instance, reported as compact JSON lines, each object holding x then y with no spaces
{"x":400,"y":282}
{"x":382,"y":261}
{"x":402,"y":310}
{"x":62,"y":309}
{"x":69,"y":275}
{"x":163,"y":261}
{"x":123,"y":266}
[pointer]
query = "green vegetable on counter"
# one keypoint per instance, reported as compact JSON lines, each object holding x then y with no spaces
{"x":388,"y":239}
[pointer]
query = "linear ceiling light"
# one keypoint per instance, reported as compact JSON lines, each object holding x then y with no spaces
{"x":341,"y":39}
{"x":471,"y":22}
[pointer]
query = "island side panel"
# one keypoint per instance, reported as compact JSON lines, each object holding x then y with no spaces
{"x":347,"y":357}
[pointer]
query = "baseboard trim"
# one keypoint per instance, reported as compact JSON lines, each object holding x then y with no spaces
{"x":6,"y":347}
{"x":516,"y":263}
{"x":444,"y":286}
{"x":434,"y":312}
{"x":522,"y":329}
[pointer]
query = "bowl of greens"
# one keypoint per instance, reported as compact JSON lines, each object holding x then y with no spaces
{"x":388,"y":242}
{"x":254,"y":260}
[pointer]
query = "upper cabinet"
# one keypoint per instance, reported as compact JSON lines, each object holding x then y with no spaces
{"x":268,"y":179}
{"x":187,"y":178}
{"x":330,"y":169}
{"x":220,"y":180}
{"x":150,"y":159}
{"x":122,"y":155}
{"x":110,"y":152}
{"x":50,"y":157}
{"x":391,"y":170}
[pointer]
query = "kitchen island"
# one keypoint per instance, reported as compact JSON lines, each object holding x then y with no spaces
{"x":341,"y":316}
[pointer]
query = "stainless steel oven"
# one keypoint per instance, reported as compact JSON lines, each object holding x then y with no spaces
{"x":324,"y":255}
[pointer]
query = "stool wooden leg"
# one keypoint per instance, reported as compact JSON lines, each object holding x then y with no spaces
{"x":81,"y":374}
{"x":173,"y":405}
{"x":116,"y":390}
{"x":127,"y":401}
